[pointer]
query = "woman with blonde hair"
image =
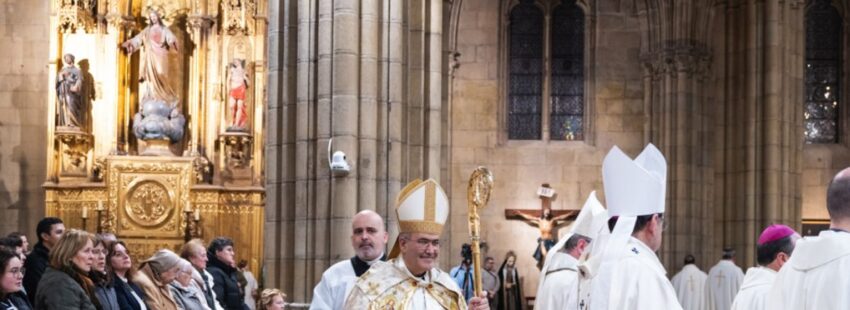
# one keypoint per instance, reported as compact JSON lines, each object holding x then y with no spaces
{"x":65,"y":283}
{"x":154,"y":275}
{"x":272,"y":299}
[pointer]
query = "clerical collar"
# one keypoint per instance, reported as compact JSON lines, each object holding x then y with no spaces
{"x":360,"y":266}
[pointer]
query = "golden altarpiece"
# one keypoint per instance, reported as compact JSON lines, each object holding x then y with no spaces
{"x":157,"y":120}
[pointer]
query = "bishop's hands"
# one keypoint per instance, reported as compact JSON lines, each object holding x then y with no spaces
{"x":479,"y":303}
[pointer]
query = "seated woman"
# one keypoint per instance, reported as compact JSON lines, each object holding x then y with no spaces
{"x":185,"y":291}
{"x":272,"y":299}
{"x":153,"y":278}
{"x":102,"y":279}
{"x":129,"y":295}
{"x":65,"y":283}
{"x":11,"y":296}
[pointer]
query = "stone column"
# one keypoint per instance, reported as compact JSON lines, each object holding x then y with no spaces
{"x":759,"y":179}
{"x":337,"y":70}
{"x":679,"y":126}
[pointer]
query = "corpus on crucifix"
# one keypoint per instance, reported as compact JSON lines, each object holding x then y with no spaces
{"x":546,"y":219}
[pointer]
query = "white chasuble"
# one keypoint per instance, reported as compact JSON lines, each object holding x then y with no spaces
{"x":817,"y":277}
{"x":336,"y":282}
{"x":724,"y":281}
{"x":754,"y":290}
{"x":560,"y":284}
{"x":689,"y":284}
{"x":389,"y":285}
{"x":635,"y":281}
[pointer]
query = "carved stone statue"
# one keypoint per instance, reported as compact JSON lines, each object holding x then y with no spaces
{"x":69,"y":87}
{"x":238,"y":85}
{"x":159,"y":116}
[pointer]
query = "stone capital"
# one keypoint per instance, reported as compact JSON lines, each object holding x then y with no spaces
{"x":678,"y":57}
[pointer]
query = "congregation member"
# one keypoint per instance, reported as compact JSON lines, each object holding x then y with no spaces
{"x":49,"y":230}
{"x":490,"y":281}
{"x":183,"y":289}
{"x":153,"y":277}
{"x":101,"y":277}
{"x":411,"y":279}
{"x":272,"y":299}
{"x":774,"y":248}
{"x":196,"y":253}
{"x":558,"y":287}
{"x":128,"y":294}
{"x":250,"y":288}
{"x":25,"y":243}
{"x":15,"y":245}
{"x":65,"y":283}
{"x":369,"y":240}
{"x":689,"y":284}
{"x":815,"y":277}
{"x":11,"y":294}
{"x":723,"y":282}
{"x":630,"y":275}
{"x":222,"y":267}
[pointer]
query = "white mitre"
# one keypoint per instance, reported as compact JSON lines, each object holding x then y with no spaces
{"x":421,"y":207}
{"x":589,"y":222}
{"x":633,"y":188}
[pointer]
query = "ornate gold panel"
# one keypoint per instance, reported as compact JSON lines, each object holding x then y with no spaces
{"x":148,"y":194}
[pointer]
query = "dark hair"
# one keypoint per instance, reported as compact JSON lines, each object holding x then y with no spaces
{"x":640,"y":222}
{"x":218,"y":244}
{"x":110,"y":253}
{"x":16,"y":234}
{"x":768,"y":251}
{"x":728,"y":253}
{"x":5,"y":257}
{"x":242,"y":264}
{"x":838,"y":198}
{"x":11,"y":242}
{"x":573,"y":241}
{"x":45,"y":225}
{"x":690,"y":259}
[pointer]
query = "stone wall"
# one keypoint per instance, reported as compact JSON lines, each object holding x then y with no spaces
{"x":573,"y":168}
{"x":23,"y":109}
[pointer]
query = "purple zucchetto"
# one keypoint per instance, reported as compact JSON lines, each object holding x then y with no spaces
{"x":775,"y":232}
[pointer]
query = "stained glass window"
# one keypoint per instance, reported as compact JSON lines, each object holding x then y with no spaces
{"x":525,"y":88}
{"x":567,"y":67}
{"x":823,"y":72}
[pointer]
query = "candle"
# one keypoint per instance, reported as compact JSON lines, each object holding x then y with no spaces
{"x":85,"y":212}
{"x":197,"y":215}
{"x":188,"y":208}
{"x":100,"y":205}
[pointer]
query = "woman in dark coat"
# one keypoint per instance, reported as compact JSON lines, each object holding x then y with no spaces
{"x":65,"y":283}
{"x":101,"y":277}
{"x":11,"y":296}
{"x":128,"y":294}
{"x":510,"y":292}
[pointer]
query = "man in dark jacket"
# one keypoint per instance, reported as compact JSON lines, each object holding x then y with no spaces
{"x":222,"y":266}
{"x":49,"y":231}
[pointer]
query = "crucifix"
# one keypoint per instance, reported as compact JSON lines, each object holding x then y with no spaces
{"x":546,"y":219}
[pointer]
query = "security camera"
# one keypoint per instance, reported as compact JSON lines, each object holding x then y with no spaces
{"x":338,"y":164}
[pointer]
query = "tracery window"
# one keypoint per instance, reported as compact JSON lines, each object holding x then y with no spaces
{"x":822,"y":72}
{"x":527,"y":79}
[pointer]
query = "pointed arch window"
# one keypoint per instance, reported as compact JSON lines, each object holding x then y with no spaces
{"x":824,"y":39}
{"x":552,"y":98}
